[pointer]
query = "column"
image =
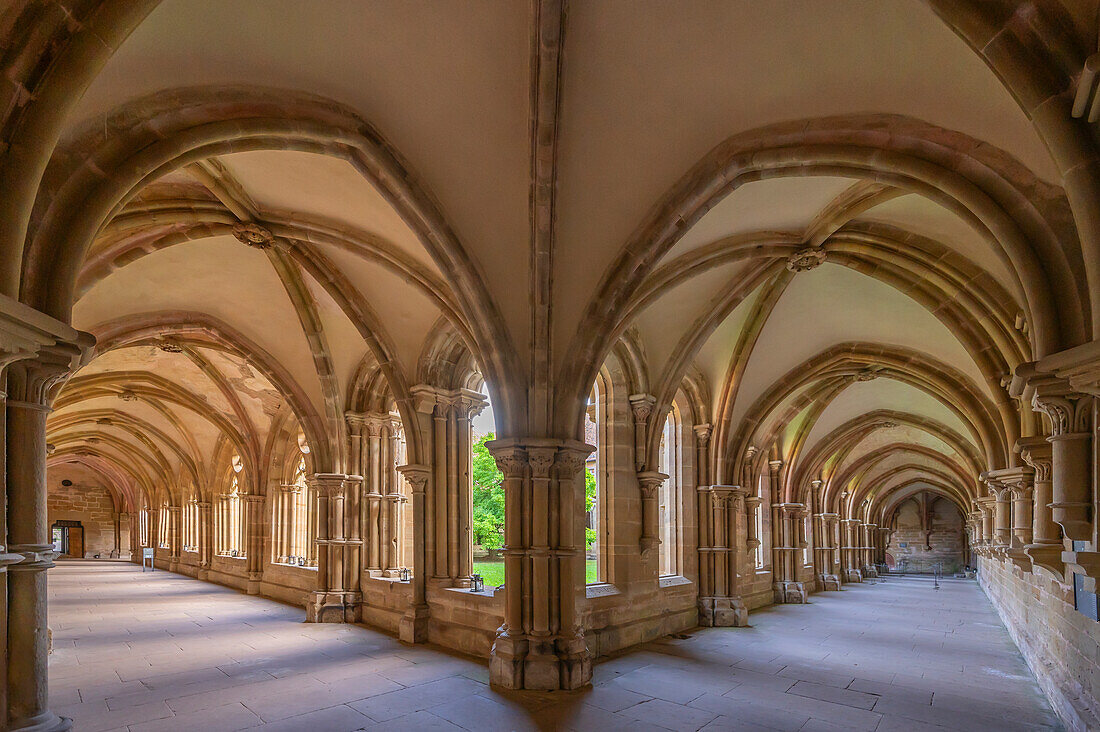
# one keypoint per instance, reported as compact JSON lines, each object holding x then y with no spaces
{"x":253,"y":539}
{"x":332,"y":601}
{"x":702,"y":471}
{"x":852,"y":569}
{"x":174,"y":538}
{"x":1045,"y":548}
{"x":414,"y":624}
{"x":372,"y":473}
{"x":1002,"y":512}
{"x":30,"y":384}
{"x":1070,"y":416}
{"x":649,"y":485}
{"x":116,"y":517}
{"x":135,"y":538}
{"x":641,"y":406}
{"x":206,"y":538}
{"x":541,"y":646}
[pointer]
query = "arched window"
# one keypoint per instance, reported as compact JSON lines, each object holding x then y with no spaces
{"x":758,"y":519}
{"x":487,"y":504}
{"x":595,"y":433}
{"x":164,"y":530}
{"x":143,"y":527}
{"x":669,"y":463}
{"x":807,"y":537}
{"x":229,"y":526}
{"x":190,"y":518}
{"x":294,"y":515}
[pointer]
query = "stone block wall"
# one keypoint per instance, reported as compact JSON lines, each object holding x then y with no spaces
{"x":92,"y":506}
{"x":1061,"y":645}
{"x":945,"y":543}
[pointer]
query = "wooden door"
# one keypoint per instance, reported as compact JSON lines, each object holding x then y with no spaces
{"x":76,"y":542}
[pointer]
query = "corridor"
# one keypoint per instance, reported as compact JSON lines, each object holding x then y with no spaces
{"x":159,"y":651}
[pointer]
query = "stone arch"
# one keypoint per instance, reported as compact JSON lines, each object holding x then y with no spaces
{"x":79,"y":195}
{"x":977,"y":182}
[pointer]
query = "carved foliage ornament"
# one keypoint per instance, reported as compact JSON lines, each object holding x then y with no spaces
{"x":806,"y":259}
{"x":1040,"y":464}
{"x":253,"y":235}
{"x":1068,"y":414}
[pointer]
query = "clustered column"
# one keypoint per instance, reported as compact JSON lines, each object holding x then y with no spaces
{"x":1045,"y":549}
{"x":337,"y":598}
{"x":790,"y":535}
{"x":383,"y":502}
{"x":174,"y":538}
{"x":445,"y":417}
{"x":853,"y":568}
{"x":253,"y":539}
{"x":541,"y":644}
{"x":720,"y":603}
{"x":206,"y":538}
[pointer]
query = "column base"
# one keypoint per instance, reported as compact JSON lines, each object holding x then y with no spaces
{"x":413,"y":627}
{"x":332,"y":607}
{"x":830,"y":582}
{"x":540,"y":664}
{"x":790,"y":593}
{"x":853,"y":576}
{"x":45,"y":722}
{"x":723,"y":612}
{"x":254,"y":580}
{"x":174,"y":565}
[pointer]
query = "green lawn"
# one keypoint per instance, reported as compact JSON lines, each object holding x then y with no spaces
{"x":493,"y":572}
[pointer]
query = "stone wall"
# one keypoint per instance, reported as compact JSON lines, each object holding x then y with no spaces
{"x":92,"y":506}
{"x":1061,"y":645}
{"x":945,"y":542}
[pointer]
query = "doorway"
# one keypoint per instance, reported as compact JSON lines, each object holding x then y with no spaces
{"x":68,"y":538}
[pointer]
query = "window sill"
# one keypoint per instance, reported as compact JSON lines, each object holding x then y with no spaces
{"x":312,"y":568}
{"x":672,"y":580}
{"x":229,"y":556}
{"x":489,"y":592}
{"x":600,"y":589}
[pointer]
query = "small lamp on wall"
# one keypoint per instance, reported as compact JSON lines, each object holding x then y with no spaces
{"x":301,"y":561}
{"x":404,"y":574}
{"x":477,"y":583}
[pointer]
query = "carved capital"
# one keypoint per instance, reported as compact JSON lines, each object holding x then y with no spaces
{"x":641,"y":405}
{"x":1036,"y":454}
{"x":416,"y":475}
{"x":327,"y":484}
{"x":510,"y":459}
{"x":541,"y":460}
{"x":702,"y":433}
{"x":1068,"y":412}
{"x":570,"y":462}
{"x":33,"y":382}
{"x":649,"y":482}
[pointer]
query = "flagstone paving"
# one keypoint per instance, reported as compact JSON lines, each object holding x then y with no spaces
{"x":158,"y":651}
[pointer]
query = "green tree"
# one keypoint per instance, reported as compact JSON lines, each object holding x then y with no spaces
{"x":589,"y":499}
{"x":488,"y":482}
{"x":488,"y":501}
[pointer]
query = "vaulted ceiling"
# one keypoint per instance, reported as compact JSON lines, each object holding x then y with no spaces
{"x":835,"y":212}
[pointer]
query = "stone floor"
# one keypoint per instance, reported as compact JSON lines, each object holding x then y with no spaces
{"x":164,"y":652}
